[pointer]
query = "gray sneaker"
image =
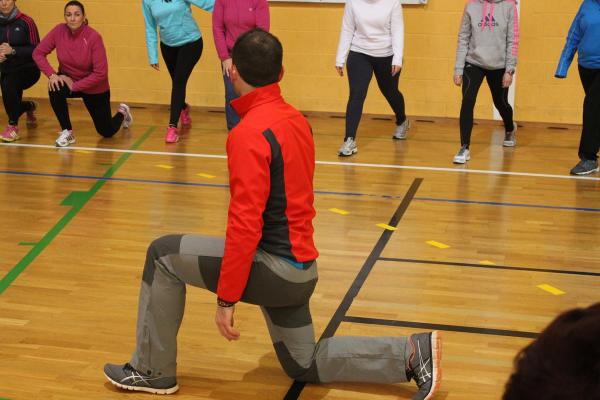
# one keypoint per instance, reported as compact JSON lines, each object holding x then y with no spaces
{"x":402,"y":130}
{"x":462,"y":156}
{"x":425,"y":363}
{"x":510,"y":139}
{"x":585,"y":167}
{"x":127,"y":377}
{"x":348,"y":148}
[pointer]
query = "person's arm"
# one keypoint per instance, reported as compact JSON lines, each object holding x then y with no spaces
{"x":346,"y":35}
{"x":262,"y":15}
{"x":151,"y":35}
{"x":573,"y":40}
{"x":45,"y":47}
{"x":248,"y":159}
{"x":512,"y":39}
{"x":26,"y":51}
{"x":397,"y":34}
{"x":206,"y":5}
{"x":464,"y":37}
{"x":99,"y":67}
{"x":218,"y":28}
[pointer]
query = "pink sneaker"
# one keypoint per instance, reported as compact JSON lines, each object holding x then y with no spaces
{"x":184,"y":116}
{"x":31,"y":119}
{"x":172,"y":135}
{"x":10,"y":134}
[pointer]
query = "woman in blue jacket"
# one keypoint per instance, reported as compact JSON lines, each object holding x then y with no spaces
{"x":181,"y":48}
{"x":584,"y":38}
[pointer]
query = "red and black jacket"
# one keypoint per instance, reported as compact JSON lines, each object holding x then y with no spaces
{"x":22,"y":35}
{"x":271,"y":160}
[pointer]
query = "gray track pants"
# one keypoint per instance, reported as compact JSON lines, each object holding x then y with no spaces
{"x":281,"y":290}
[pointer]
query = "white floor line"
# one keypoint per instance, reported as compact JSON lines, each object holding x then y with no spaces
{"x":335,"y":163}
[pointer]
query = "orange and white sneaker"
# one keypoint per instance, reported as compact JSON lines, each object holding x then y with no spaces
{"x":10,"y":134}
{"x":65,"y":138}
{"x":424,"y":365}
{"x":184,"y":116}
{"x":172,"y":135}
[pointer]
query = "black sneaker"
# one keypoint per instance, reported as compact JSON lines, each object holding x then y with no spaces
{"x":127,"y":377}
{"x":425,"y":363}
{"x":585,"y":167}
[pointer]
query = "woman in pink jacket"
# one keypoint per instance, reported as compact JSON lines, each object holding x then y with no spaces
{"x":82,"y":72}
{"x":231,"y":18}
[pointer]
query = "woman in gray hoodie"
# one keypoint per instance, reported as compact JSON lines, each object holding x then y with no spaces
{"x":488,"y":43}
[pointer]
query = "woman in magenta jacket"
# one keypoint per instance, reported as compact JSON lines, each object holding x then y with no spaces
{"x":82,"y":72}
{"x":231,"y":18}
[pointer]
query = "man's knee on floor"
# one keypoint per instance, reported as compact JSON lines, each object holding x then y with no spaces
{"x":168,"y":244}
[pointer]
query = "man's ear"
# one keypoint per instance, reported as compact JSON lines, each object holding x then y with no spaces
{"x":281,"y":73}
{"x":234,"y":74}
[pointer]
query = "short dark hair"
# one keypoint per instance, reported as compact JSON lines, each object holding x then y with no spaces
{"x":258,"y":57}
{"x":563,"y":363}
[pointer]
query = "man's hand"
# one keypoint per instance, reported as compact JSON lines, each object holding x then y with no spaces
{"x":155,"y":66}
{"x":396,"y":69}
{"x":5,"y":49}
{"x":224,"y":321}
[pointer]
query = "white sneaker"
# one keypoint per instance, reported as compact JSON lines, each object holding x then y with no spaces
{"x":402,"y":130}
{"x":510,"y":139}
{"x":128,"y":118}
{"x":65,"y":138}
{"x":462,"y":156}
{"x":348,"y":148}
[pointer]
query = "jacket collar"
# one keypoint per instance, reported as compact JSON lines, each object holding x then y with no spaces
{"x":257,"y":97}
{"x":78,"y":32}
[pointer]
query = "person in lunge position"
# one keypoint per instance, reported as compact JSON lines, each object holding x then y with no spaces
{"x":268,"y":257}
{"x":82,"y":72}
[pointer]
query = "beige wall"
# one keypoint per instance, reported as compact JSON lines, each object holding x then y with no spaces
{"x":309,"y":33}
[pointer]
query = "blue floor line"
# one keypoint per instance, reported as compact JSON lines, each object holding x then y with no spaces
{"x":320,"y":192}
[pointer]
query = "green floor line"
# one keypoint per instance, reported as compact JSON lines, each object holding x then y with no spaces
{"x":77,"y":200}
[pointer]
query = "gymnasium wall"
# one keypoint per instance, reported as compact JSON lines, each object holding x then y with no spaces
{"x":309,"y":33}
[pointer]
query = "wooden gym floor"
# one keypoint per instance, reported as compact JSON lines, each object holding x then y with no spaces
{"x":472,"y":245}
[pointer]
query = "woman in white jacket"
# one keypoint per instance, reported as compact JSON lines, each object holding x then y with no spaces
{"x":372,"y":38}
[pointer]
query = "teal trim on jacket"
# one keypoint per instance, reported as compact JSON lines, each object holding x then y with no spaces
{"x":174,"y":21}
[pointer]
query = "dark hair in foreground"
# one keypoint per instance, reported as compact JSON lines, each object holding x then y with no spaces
{"x":563,"y":363}
{"x":258,"y":55}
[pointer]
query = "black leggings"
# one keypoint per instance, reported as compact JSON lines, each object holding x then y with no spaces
{"x":12,"y":85}
{"x":180,"y":63}
{"x":590,"y":135}
{"x":98,"y":105}
{"x":360,"y":69}
{"x":472,"y":80}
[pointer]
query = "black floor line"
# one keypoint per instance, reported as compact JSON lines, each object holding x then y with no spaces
{"x":296,"y":389}
{"x":441,"y":327}
{"x":507,"y":267}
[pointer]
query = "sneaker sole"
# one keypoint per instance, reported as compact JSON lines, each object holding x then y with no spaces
{"x":143,"y":389}
{"x":66,"y":145}
{"x":586,"y":172}
{"x":11,"y":140}
{"x":348,"y":155}
{"x":456,"y":161}
{"x":399,"y":138}
{"x":509,"y":144}
{"x":436,"y":349}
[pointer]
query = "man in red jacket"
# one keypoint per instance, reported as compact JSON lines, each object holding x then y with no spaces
{"x":268,"y":255}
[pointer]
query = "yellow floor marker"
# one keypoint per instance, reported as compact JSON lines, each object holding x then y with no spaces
{"x":437,"y":244}
{"x":165,"y":166}
{"x":487,"y":262}
{"x":203,"y":175}
{"x":386,"y":226}
{"x":339,"y":211}
{"x":83,"y":151}
{"x":551,"y":289}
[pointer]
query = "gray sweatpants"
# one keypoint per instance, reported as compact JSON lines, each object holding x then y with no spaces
{"x":280,"y":289}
